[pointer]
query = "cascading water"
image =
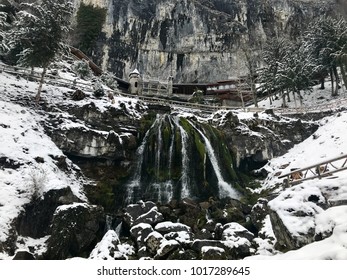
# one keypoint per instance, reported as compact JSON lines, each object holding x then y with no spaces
{"x":176,"y":160}
{"x":135,"y":183}
{"x":185,"y":160}
{"x":225,"y":189}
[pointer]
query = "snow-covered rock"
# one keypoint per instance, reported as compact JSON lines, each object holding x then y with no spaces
{"x":167,"y":227}
{"x":237,"y":239}
{"x":153,"y":242}
{"x":140,"y":233}
{"x":106,"y":248}
{"x":70,"y":236}
{"x":212,"y":253}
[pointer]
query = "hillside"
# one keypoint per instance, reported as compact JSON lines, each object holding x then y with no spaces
{"x":33,"y":170}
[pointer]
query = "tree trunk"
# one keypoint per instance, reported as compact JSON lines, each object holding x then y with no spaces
{"x":332,"y":82}
{"x":343,"y":74}
{"x":300,"y":98}
{"x":336,"y":92}
{"x":284,"y":104}
{"x":38,"y":95}
{"x":321,"y":80}
{"x":254,"y":91}
{"x":296,"y":105}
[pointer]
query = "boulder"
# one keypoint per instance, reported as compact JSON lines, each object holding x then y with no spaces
{"x":213,"y":253}
{"x":237,"y":239}
{"x":78,"y":95}
{"x":105,"y":249}
{"x":37,"y":216}
{"x":198,"y":244}
{"x":183,"y":237}
{"x":140,"y":233}
{"x":76,"y":228}
{"x":183,"y":254}
{"x":153,"y":242}
{"x":143,"y":212}
{"x":293,"y":214}
{"x":166,"y":247}
{"x":152,"y":217}
{"x":167,"y":227}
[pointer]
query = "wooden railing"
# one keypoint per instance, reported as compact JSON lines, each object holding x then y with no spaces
{"x":319,"y":170}
{"x":59,"y":81}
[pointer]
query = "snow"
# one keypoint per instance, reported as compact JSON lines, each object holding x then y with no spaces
{"x":65,"y":207}
{"x":170,"y":226}
{"x":298,"y":212}
{"x":102,"y":250}
{"x":318,"y":98}
{"x":206,"y":249}
{"x":22,"y":140}
{"x":331,"y":248}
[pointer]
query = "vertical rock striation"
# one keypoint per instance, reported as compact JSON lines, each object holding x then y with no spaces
{"x":198,"y":41}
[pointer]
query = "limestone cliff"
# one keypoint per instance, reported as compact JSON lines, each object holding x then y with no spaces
{"x":198,"y":41}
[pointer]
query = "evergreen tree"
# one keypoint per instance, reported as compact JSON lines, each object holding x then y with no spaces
{"x":3,"y":24}
{"x":326,"y":42}
{"x":39,"y":32}
{"x":4,"y":27}
{"x":288,"y":68}
{"x":82,"y":69}
{"x":295,"y":73}
{"x":273,"y":56}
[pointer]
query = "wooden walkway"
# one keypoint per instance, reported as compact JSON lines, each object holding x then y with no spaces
{"x":319,"y":170}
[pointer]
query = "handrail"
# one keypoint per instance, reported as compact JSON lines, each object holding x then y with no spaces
{"x":312,"y":166}
{"x":321,"y":170}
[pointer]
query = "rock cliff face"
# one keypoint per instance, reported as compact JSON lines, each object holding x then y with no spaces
{"x":196,"y":41}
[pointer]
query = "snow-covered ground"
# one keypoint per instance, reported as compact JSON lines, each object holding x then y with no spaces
{"x":317,"y":98}
{"x":22,"y":140}
{"x":328,"y":142}
{"x":29,"y":153}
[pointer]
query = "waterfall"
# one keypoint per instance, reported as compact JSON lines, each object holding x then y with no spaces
{"x":135,"y":182}
{"x":225,"y":189}
{"x":169,"y":183}
{"x":171,"y":164}
{"x":185,"y":160}
{"x":109,"y":221}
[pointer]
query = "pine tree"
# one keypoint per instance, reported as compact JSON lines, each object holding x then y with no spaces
{"x":326,"y":42}
{"x":288,"y":68}
{"x":39,"y":32}
{"x":274,"y":54}
{"x":4,"y":25}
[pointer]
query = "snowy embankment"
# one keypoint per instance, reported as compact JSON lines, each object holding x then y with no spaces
{"x":299,"y":206}
{"x":28,"y":157}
